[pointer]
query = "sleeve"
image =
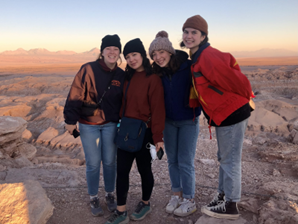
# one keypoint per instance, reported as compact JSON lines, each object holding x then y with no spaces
{"x":157,"y":107}
{"x":75,"y":98}
{"x":222,"y":70}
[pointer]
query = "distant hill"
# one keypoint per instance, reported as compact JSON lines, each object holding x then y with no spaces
{"x":264,"y":53}
{"x":95,"y":52}
{"x":42,"y":56}
{"x":44,"y":52}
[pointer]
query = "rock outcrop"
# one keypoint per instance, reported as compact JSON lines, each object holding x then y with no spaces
{"x":14,"y":151}
{"x":25,"y":203}
{"x":282,"y":207}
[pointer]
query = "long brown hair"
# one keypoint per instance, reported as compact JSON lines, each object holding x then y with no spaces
{"x":173,"y":65}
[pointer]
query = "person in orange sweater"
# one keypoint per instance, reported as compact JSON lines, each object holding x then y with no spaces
{"x":224,"y":93}
{"x":144,"y":101}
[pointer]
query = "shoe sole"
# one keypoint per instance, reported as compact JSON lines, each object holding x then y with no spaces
{"x":99,"y":214}
{"x":136,"y":219}
{"x":109,"y":208}
{"x":218,"y":215}
{"x":170,"y":212}
{"x":125,"y":221}
{"x":185,"y":214}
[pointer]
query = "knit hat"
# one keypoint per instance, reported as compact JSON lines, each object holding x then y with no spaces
{"x":196,"y":22}
{"x":110,"y":40}
{"x":134,"y":45}
{"x":161,"y":42}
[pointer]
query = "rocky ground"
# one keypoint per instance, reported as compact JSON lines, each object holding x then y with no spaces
{"x":38,"y":149}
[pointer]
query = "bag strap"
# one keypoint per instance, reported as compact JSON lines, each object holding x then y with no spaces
{"x":125,"y":102}
{"x":125,"y":98}
{"x":109,"y":86}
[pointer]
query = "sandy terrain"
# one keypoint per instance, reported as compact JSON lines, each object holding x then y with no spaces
{"x":268,"y":61}
{"x":68,"y":64}
{"x":270,"y":156}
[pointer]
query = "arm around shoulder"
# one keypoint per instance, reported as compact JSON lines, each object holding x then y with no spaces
{"x":157,"y":107}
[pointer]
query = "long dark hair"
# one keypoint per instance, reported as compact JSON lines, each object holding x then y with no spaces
{"x":173,"y":65}
{"x":182,"y":45}
{"x":146,"y":64}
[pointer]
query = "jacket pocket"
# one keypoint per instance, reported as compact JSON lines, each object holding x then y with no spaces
{"x":199,"y":78}
{"x":215,"y":89}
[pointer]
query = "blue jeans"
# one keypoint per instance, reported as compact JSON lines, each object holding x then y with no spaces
{"x":230,"y":141}
{"x":180,"y":139}
{"x":98,"y":144}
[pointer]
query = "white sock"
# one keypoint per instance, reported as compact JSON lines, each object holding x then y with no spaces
{"x":93,"y":196}
{"x":109,"y":193}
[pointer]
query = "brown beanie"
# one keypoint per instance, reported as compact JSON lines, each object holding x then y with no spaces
{"x":161,"y":42}
{"x":196,"y":22}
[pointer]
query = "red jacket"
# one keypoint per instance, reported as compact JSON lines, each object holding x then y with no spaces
{"x":220,"y":85}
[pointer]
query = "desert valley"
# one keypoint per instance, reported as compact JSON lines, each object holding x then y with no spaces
{"x":44,"y":167}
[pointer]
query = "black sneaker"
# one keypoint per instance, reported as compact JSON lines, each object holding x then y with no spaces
{"x":225,"y":210}
{"x":95,"y":207}
{"x":111,"y":203}
{"x":218,"y":199}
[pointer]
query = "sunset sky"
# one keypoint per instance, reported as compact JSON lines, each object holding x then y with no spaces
{"x":234,"y":25}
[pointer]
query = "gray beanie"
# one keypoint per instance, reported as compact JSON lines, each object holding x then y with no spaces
{"x":161,"y":42}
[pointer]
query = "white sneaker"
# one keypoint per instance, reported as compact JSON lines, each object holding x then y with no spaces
{"x":173,"y":203}
{"x":186,"y":207}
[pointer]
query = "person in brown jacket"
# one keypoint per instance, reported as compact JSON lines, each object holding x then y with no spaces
{"x":144,"y":101}
{"x":94,"y":101}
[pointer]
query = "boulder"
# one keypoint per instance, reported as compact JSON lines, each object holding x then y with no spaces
{"x":295,"y":125}
{"x":282,"y":207}
{"x":46,"y":136}
{"x":278,"y":212}
{"x":27,"y":135}
{"x":24,"y":202}
{"x":11,"y":128}
{"x":19,"y":110}
{"x":295,"y":139}
{"x":27,"y":150}
{"x":65,"y":140}
{"x":249,"y":204}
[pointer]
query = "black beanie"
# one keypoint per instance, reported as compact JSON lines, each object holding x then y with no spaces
{"x":134,"y":45}
{"x":110,"y":40}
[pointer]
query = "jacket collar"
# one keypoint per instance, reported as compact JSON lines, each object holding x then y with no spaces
{"x":194,"y":58}
{"x":105,"y":67}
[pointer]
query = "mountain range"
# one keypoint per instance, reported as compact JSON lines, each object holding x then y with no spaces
{"x":44,"y":52}
{"x":266,"y":52}
{"x":95,"y":52}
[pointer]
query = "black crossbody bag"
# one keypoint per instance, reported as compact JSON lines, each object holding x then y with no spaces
{"x":131,"y":132}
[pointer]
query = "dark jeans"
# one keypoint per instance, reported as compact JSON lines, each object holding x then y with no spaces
{"x":124,"y":163}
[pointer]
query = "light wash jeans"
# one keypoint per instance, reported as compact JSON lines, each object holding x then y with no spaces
{"x":180,"y":139}
{"x":98,"y":144}
{"x":230,"y":141}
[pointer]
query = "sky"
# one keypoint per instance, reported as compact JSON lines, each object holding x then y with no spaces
{"x":234,"y":25}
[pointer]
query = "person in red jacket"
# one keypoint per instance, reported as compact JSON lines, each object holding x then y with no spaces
{"x":144,"y":101}
{"x":224,"y":93}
